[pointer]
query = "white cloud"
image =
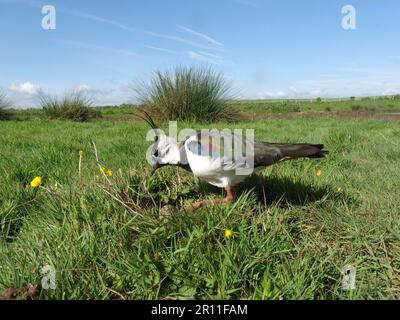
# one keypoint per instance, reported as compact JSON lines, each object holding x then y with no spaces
{"x":391,"y":92}
{"x":82,"y":88}
{"x":94,"y":92}
{"x":25,"y":95}
{"x":271,"y":95}
{"x":26,"y":88}
{"x":293,"y":93}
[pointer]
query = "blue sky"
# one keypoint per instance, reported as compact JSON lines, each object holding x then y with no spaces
{"x":267,"y":48}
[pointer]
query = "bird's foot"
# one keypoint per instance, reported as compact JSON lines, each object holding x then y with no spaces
{"x":194,"y":206}
{"x":197,"y":205}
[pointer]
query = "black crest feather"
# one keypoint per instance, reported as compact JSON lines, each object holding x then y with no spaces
{"x":147,"y":118}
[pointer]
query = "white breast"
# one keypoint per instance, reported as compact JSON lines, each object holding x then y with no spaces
{"x":211,"y":167}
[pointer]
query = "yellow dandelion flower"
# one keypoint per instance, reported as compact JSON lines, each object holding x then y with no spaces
{"x":319,"y":173}
{"x":228,"y":233}
{"x":106,"y":171}
{"x":36,"y":182}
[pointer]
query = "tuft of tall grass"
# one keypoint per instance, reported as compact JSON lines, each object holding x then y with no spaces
{"x":189,"y":94}
{"x":75,"y":106}
{"x":5,"y":114}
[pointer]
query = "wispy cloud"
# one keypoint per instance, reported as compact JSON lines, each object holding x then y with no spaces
{"x":96,"y":47}
{"x":199,"y":57}
{"x":201,"y":35}
{"x":175,"y":38}
{"x":130,"y":29}
{"x":95,"y":18}
{"x":159,"y":49}
{"x":116,"y":24}
{"x":208,"y":58}
{"x":211,"y":55}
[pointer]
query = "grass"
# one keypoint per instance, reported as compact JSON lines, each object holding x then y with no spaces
{"x":4,"y":108}
{"x":189,"y":94}
{"x":74,"y":106}
{"x":252,"y":108}
{"x":374,"y":104}
{"x":126,"y":237}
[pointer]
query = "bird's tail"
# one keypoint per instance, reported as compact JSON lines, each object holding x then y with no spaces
{"x":294,"y":151}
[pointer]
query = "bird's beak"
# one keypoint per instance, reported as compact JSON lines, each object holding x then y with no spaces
{"x":154,"y":169}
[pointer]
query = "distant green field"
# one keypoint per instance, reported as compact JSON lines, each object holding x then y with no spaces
{"x":378,"y":104}
{"x":293,"y":231}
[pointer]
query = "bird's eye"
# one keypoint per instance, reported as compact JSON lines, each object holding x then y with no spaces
{"x":156,"y":154}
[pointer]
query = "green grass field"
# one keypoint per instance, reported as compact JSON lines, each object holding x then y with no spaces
{"x":293,"y":230}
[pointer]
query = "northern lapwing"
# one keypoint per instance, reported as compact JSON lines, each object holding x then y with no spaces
{"x":203,"y":154}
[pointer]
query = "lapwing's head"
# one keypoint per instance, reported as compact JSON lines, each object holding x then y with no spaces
{"x":165,"y":152}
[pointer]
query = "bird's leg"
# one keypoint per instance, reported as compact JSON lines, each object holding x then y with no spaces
{"x":229,"y":196}
{"x":228,"y":199}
